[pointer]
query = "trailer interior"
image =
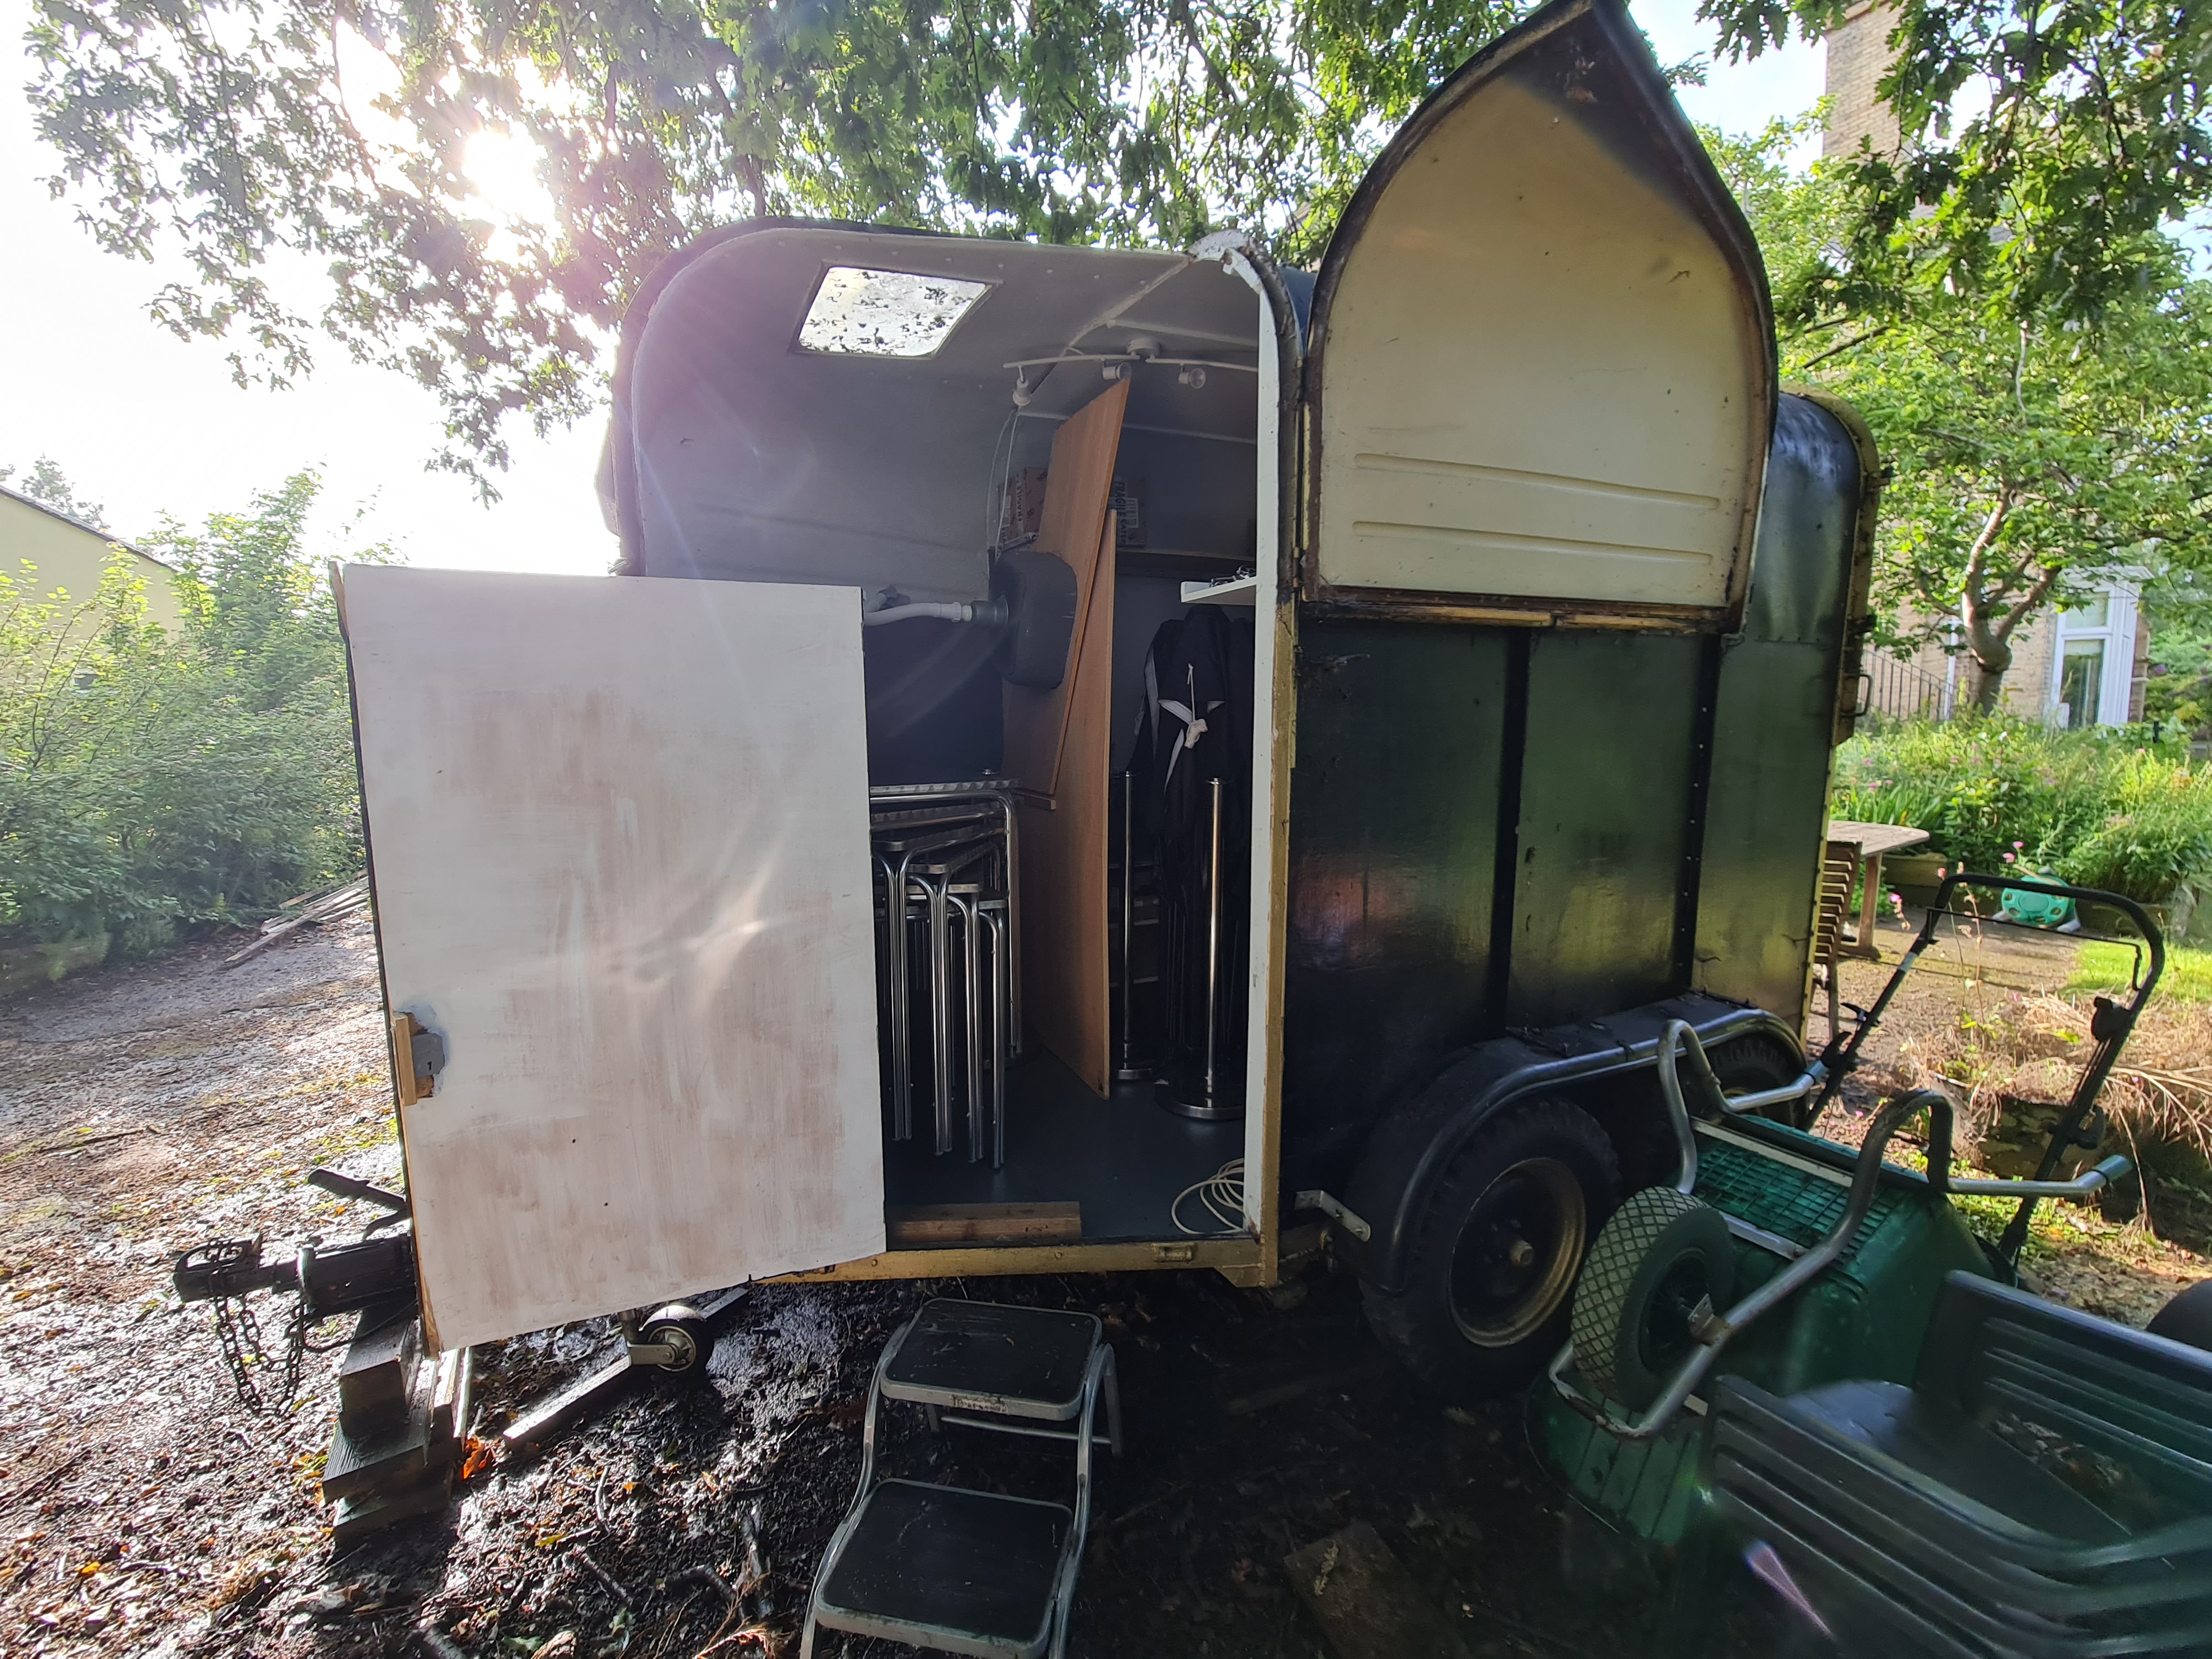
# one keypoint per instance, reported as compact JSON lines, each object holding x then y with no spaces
{"x":900,"y":414}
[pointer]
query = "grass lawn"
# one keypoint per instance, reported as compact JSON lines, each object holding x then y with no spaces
{"x":2103,"y":967}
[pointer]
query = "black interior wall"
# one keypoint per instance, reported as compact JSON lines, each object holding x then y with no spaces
{"x":1141,"y":603}
{"x":936,"y":710}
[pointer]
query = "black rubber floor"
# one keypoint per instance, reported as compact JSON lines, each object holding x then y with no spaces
{"x":938,"y":1558}
{"x":1033,"y":1357}
{"x":1123,"y":1160}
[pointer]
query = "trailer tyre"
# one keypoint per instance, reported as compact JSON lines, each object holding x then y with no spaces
{"x":2188,"y":1317}
{"x":1750,"y":1065}
{"x":1661,"y":1254}
{"x":1496,"y":1249}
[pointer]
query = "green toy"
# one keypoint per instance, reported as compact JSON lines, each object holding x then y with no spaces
{"x":2036,"y":906}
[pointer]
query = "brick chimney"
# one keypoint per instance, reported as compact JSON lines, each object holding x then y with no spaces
{"x":1858,"y":57}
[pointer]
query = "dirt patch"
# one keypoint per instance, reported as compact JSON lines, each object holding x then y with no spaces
{"x":1965,"y":995}
{"x":143,"y":1510}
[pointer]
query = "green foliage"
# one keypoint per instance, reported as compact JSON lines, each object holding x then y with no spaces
{"x":2178,"y":690}
{"x":2091,"y":136}
{"x":2030,"y":456}
{"x":2101,"y":808}
{"x":226,"y":130}
{"x":150,"y":783}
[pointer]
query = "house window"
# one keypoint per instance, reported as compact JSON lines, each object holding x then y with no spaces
{"x":2080,"y":681}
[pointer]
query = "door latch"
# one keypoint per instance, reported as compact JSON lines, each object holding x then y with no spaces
{"x":418,"y":1054}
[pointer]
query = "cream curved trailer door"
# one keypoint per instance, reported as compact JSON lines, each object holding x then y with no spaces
{"x":618,"y":837}
{"x":1541,"y":371}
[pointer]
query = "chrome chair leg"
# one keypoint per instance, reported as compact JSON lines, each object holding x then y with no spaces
{"x":971,"y":978}
{"x":1001,"y":1049}
{"x":940,"y":930}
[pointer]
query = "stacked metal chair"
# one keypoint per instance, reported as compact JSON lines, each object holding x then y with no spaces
{"x":948,"y":1567}
{"x":947,"y":936}
{"x":2042,"y":1490}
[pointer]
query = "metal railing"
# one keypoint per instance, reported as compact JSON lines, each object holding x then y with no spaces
{"x":1902,"y":689}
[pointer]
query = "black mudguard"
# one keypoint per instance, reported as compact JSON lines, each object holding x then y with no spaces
{"x":1415,"y":1143}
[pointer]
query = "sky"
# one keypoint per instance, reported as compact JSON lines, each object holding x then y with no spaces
{"x":149,"y":425}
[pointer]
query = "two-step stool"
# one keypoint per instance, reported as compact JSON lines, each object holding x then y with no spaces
{"x":960,"y":1571}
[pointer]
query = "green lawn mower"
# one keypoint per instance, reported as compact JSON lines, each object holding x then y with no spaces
{"x":1799,"y":1357}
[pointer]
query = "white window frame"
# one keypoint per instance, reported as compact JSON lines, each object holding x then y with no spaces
{"x":2116,"y":685}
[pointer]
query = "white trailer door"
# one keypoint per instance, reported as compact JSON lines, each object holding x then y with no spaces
{"x":1540,"y":372}
{"x":618,"y":831}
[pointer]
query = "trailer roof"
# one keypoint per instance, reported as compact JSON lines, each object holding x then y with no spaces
{"x":744,"y":448}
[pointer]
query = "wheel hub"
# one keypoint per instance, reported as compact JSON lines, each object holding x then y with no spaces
{"x":1517,"y":1251}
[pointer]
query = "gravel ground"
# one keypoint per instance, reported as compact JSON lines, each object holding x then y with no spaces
{"x":144,"y":1510}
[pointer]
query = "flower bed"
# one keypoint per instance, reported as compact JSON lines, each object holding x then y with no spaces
{"x":2100,"y":809}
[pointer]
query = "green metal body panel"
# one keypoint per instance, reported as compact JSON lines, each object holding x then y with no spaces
{"x":1769,"y":801}
{"x":1609,"y":784}
{"x":1866,"y":1316}
{"x":1494,"y":827}
{"x":1395,"y":815}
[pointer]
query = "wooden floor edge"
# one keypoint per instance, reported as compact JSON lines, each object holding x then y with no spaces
{"x":984,"y":1262}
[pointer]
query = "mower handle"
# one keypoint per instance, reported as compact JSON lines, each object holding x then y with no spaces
{"x":2110,"y":1023}
{"x":2148,"y":928}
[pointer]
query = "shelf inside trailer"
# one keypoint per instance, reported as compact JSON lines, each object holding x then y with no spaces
{"x":1123,"y":1160}
{"x":1179,"y":565}
{"x":1236,"y":590}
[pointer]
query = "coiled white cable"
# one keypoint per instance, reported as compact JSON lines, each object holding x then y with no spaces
{"x":1222,"y":1195}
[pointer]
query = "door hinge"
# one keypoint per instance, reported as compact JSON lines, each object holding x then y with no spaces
{"x":418,"y":1054}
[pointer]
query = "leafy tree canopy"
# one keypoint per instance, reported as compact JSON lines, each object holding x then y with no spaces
{"x":2029,"y":454}
{"x":309,"y":159}
{"x":2045,"y":145}
{"x":226,"y":130}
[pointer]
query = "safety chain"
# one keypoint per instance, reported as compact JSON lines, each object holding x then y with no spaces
{"x":240,"y":1332}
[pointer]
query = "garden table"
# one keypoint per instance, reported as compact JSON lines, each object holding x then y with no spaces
{"x":1872,"y":841}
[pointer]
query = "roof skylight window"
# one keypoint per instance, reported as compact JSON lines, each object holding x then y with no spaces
{"x":885,"y":313}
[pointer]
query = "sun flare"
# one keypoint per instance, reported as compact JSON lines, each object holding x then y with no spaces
{"x":503,"y":166}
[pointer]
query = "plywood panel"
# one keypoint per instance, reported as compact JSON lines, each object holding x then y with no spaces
{"x":619,"y":841}
{"x":1076,"y":490}
{"x":1065,"y":943}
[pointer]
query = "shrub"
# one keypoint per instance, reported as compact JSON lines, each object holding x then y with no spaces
{"x":150,"y":783}
{"x":2101,"y":808}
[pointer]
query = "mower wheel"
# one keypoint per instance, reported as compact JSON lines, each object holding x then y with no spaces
{"x":1496,"y":1249}
{"x":678,"y":1326}
{"x":2187,"y":1317}
{"x":1663,"y":1254}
